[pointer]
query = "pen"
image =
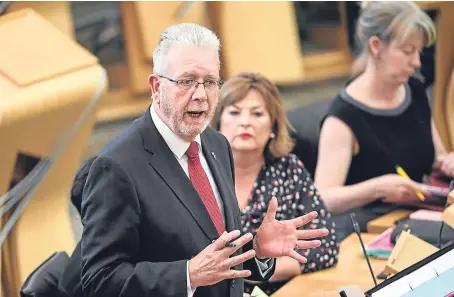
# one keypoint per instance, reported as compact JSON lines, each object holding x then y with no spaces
{"x":402,"y":173}
{"x":227,"y":244}
{"x":230,"y":245}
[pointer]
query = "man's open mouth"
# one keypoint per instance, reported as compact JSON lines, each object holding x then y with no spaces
{"x":195,"y":114}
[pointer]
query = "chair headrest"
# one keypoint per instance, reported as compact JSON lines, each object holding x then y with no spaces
{"x":306,"y":122}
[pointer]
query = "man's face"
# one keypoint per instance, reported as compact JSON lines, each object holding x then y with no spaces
{"x":185,"y":107}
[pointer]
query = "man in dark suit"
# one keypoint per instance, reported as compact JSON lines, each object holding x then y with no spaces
{"x":159,"y":209}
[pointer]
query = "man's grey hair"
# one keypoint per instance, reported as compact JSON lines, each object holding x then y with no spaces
{"x":184,"y":33}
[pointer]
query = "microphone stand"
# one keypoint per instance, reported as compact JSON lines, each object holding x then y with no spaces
{"x":358,"y":232}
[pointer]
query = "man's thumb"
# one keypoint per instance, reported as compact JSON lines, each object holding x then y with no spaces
{"x":272,"y":209}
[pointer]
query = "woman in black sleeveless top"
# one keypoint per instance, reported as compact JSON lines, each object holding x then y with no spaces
{"x":381,"y":119}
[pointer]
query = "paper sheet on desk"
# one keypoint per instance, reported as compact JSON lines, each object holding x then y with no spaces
{"x":439,"y":286}
{"x":257,"y":292}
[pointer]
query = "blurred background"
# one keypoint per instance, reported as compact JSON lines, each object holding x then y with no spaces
{"x":314,"y":48}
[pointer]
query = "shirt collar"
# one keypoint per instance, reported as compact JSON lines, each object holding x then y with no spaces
{"x":177,"y":145}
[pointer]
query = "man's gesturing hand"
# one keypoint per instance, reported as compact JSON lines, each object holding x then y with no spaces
{"x":280,"y":238}
{"x":213,"y":264}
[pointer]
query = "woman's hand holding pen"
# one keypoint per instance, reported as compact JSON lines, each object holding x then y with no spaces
{"x":397,"y":189}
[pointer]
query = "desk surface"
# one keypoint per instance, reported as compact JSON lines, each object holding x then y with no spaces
{"x":381,"y":224}
{"x":351,"y":270}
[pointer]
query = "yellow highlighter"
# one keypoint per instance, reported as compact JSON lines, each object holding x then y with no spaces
{"x":402,"y":173}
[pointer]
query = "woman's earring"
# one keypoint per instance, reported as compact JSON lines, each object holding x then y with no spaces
{"x":272,"y":135}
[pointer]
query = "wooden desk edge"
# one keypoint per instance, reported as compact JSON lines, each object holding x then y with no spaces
{"x":382,"y":223}
{"x":326,"y":275}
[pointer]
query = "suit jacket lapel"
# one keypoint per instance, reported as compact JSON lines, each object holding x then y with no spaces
{"x":219,"y":173}
{"x":166,"y":165}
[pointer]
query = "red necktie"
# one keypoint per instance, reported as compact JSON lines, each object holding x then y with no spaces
{"x":201,"y":183}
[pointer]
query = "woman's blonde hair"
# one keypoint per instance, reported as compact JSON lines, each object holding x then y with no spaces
{"x":237,"y":88}
{"x":389,"y":20}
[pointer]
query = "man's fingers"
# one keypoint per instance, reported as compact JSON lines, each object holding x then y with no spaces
{"x":237,"y":274}
{"x":234,"y":261}
{"x":237,"y":244}
{"x":272,"y":209}
{"x":225,"y":237}
{"x":303,"y":220}
{"x":311,"y":233}
{"x":308,"y":244}
{"x":293,"y":254}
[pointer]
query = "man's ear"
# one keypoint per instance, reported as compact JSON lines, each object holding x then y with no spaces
{"x":155,"y":86}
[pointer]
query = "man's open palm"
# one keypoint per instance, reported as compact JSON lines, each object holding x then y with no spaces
{"x":280,"y":238}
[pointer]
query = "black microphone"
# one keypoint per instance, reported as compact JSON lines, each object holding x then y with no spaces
{"x":358,"y":232}
{"x":4,"y":6}
{"x":342,"y":294}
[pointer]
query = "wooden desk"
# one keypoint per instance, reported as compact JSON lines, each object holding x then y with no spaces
{"x":45,"y":89}
{"x":351,"y":270}
{"x":444,"y":63}
{"x":56,"y":12}
{"x":382,"y":223}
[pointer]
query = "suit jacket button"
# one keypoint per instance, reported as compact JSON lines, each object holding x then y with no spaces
{"x":233,"y":283}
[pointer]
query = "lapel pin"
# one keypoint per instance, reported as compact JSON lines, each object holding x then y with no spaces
{"x":214,"y":155}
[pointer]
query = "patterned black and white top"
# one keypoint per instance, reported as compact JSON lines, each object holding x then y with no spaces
{"x":288,"y":180}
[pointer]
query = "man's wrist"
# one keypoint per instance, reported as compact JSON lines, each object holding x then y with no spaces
{"x":192,"y":282}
